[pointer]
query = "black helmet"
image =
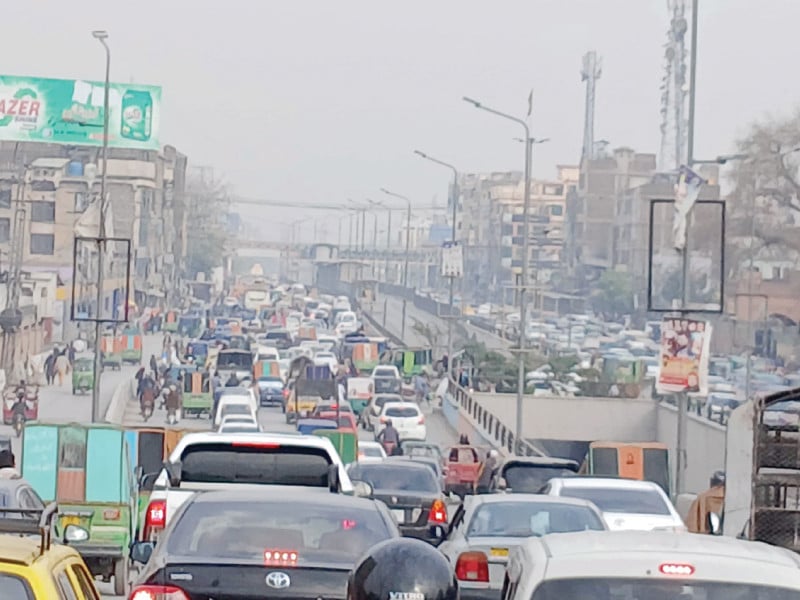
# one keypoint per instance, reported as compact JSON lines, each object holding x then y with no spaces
{"x":717,"y":478}
{"x":402,"y":569}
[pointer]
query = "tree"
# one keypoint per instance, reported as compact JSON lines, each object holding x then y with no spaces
{"x":430,"y":333}
{"x":613,"y":294}
{"x":764,"y":205}
{"x":206,"y":218}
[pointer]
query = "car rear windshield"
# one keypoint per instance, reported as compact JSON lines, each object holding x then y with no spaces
{"x":14,"y":588}
{"x":525,"y":519}
{"x":395,"y":477}
{"x":620,"y":500}
{"x":245,"y":530}
{"x":235,"y":409}
{"x":656,"y":589}
{"x":276,"y":335}
{"x":403,"y":413}
{"x":252,"y":463}
{"x":234,"y":360}
{"x":531,"y":478}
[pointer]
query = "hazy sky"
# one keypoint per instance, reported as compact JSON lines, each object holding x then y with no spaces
{"x":318,"y":101}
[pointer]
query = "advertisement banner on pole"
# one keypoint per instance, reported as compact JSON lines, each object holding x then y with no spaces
{"x":68,"y":111}
{"x":452,"y":259}
{"x":683,"y":364}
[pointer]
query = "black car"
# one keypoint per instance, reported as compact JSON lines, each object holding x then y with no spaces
{"x":277,"y":543}
{"x":280,"y":339}
{"x":411,"y":491}
{"x":270,"y":391}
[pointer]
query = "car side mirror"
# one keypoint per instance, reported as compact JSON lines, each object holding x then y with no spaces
{"x":174,"y":473}
{"x":147,"y":481}
{"x":142,"y":551}
{"x":437,"y":533}
{"x":714,"y":523}
{"x":502,"y":484}
{"x":362,"y":489}
{"x":333,"y":478}
{"x":74,"y":534}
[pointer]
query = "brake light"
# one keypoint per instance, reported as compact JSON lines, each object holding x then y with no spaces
{"x":280,"y":558}
{"x":158,"y":592}
{"x":677,"y":569}
{"x":421,"y":421}
{"x":154,"y":518}
{"x":383,"y":420}
{"x":472,"y":566}
{"x":438,"y":513}
{"x":269,"y":445}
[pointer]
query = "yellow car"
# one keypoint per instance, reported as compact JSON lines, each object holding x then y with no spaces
{"x":32,"y":568}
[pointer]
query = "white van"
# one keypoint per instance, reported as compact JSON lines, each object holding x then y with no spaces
{"x":641,"y":565}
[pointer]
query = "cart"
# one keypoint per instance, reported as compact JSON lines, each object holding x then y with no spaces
{"x":83,"y":375}
{"x":111,"y":352}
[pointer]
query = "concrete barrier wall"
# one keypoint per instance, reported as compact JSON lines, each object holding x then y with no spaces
{"x":125,"y":392}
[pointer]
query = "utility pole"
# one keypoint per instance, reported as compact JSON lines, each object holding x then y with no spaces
{"x":101,"y":36}
{"x":408,"y":250}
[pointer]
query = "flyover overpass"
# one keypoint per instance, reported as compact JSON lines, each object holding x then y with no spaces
{"x":563,"y":425}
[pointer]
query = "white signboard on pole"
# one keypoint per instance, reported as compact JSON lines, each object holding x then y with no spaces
{"x":452,"y":260}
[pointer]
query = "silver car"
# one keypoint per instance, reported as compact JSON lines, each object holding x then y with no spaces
{"x":487,"y":527}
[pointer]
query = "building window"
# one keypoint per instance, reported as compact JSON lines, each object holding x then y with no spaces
{"x":5,"y":198}
{"x":43,"y":243}
{"x":81,"y":201}
{"x":505,"y":252}
{"x":556,"y":210}
{"x":43,"y":212}
{"x":5,"y":230}
{"x":508,"y":229}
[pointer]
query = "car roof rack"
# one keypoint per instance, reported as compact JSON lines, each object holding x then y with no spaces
{"x":19,"y":524}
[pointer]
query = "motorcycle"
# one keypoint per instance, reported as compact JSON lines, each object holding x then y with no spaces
{"x":18,"y":420}
{"x":390,"y":448}
{"x":148,"y":404}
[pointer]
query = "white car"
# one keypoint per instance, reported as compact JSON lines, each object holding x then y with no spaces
{"x":372,"y":414}
{"x":626,"y":504}
{"x":327,"y":359}
{"x":346,"y":322}
{"x":234,"y":405}
{"x":238,"y":424}
{"x":385,"y":371}
{"x":406,"y":417}
{"x":370,"y":452}
{"x":267,"y":353}
{"x":643,"y":565}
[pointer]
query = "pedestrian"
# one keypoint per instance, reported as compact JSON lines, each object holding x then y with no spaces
{"x":153,"y":364}
{"x":486,"y":473}
{"x":71,"y":354}
{"x":50,"y":368}
{"x":62,"y":367}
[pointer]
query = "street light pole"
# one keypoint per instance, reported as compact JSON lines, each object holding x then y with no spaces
{"x":451,"y":311}
{"x":405,"y":260}
{"x":101,"y":36}
{"x":518,"y":433}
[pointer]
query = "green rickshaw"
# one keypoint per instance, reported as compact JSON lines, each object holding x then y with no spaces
{"x":111,"y":351}
{"x":170,"y":322}
{"x":87,"y":470}
{"x":413,"y":361}
{"x":132,"y":345}
{"x":82,"y":375}
{"x":198,"y":395}
{"x":190,"y":326}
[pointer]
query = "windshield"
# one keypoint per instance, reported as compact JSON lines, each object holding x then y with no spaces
{"x":226,"y":463}
{"x":402,"y":413}
{"x":532,"y":478}
{"x":235,"y":409}
{"x":14,"y":588}
{"x":243,"y":530}
{"x":395,"y":477}
{"x":234,"y":360}
{"x":649,"y":589}
{"x":272,"y":382}
{"x":639,"y":502}
{"x":525,"y":519}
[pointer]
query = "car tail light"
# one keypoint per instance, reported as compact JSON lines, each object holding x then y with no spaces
{"x":280,"y":558}
{"x":438,"y":513}
{"x":678,"y":569}
{"x":158,"y":592}
{"x":154,"y":518}
{"x":421,"y":421}
{"x":472,"y":566}
{"x":383,"y":420}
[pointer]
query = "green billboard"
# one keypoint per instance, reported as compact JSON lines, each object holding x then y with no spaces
{"x":67,"y":111}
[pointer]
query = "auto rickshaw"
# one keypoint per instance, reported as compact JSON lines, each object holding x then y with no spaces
{"x":111,"y":352}
{"x":198,"y":396}
{"x":132,"y":345}
{"x":82,"y":375}
{"x":87,"y":470}
{"x":197,"y":349}
{"x":365,"y":357}
{"x":311,"y":426}
{"x":149,"y":448}
{"x":344,"y":440}
{"x":190,"y":325}
{"x":266,"y":368}
{"x":31,"y":403}
{"x":170,"y":324}
{"x":412,"y":361}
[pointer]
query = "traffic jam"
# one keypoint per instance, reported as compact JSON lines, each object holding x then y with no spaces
{"x":285,"y":452}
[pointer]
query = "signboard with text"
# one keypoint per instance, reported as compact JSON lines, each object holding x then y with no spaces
{"x":683,"y":364}
{"x":67,"y":111}
{"x":452,"y":259}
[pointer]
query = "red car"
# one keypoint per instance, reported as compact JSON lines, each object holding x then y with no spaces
{"x":347,"y":420}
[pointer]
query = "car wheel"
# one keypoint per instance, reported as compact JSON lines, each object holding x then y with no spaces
{"x":121,"y":577}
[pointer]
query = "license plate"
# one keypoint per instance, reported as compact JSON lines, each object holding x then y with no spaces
{"x":499,"y":552}
{"x":70,"y":520}
{"x":400,"y":515}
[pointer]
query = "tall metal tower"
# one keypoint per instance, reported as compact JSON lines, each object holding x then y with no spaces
{"x":590,"y":73}
{"x":674,"y":91}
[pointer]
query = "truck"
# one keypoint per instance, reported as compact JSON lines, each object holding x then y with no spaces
{"x":308,"y":385}
{"x":762,"y":470}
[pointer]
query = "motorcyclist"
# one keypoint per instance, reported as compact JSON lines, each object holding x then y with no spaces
{"x":402,"y":568}
{"x":147,"y":394}
{"x":389,"y":438}
{"x":233,"y":381}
